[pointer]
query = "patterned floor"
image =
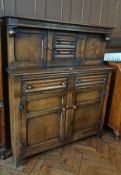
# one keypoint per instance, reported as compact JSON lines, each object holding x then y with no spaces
{"x":90,"y":156}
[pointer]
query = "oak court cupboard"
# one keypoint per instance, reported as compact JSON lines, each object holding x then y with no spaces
{"x":57,"y":82}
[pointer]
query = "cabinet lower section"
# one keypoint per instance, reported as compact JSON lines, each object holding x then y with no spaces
{"x":51,"y":110}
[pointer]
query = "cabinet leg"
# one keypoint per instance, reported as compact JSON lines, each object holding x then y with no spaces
{"x":2,"y":152}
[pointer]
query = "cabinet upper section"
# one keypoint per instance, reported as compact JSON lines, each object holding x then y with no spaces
{"x":34,"y":43}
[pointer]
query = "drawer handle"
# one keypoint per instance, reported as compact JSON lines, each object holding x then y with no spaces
{"x":63,"y":109}
{"x":29,"y":87}
{"x":74,"y":107}
{"x":63,"y":84}
{"x":11,"y":32}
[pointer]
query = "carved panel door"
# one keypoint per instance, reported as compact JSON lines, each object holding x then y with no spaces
{"x":43,"y":114}
{"x":86,"y":112}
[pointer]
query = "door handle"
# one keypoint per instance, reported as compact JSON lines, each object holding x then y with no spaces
{"x":74,"y":107}
{"x":1,"y":104}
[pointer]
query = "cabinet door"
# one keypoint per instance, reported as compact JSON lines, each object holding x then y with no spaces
{"x":27,"y":47}
{"x":43,"y":115}
{"x":94,"y":49}
{"x":87,"y":105}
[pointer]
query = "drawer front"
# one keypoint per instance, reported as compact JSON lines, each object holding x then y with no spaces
{"x":90,"y":80}
{"x":44,"y":85}
{"x":88,"y":94}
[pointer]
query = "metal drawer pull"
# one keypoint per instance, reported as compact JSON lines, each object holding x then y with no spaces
{"x":29,"y":87}
{"x":78,"y":81}
{"x":63,"y":109}
{"x":1,"y":104}
{"x":74,"y":107}
{"x":11,"y":32}
{"x":63,"y":84}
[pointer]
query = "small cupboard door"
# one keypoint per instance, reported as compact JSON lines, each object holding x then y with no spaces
{"x":43,"y":115}
{"x":94,"y":49}
{"x":28,"y":46}
{"x":86,"y":112}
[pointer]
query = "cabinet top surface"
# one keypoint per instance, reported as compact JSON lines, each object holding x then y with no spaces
{"x":46,"y":24}
{"x":64,"y":71}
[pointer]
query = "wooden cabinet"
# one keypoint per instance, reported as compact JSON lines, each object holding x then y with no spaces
{"x":114,"y":103}
{"x":58,"y":85}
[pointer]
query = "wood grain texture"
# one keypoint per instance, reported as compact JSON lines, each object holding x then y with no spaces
{"x":88,"y":157}
{"x":114,"y":116}
{"x":48,"y":108}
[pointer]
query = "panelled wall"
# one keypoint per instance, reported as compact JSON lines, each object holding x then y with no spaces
{"x":98,"y":12}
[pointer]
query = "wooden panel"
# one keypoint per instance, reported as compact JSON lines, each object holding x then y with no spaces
{"x":88,"y":94}
{"x":86,"y":12}
{"x":40,"y":9}
{"x":114,"y":103}
{"x":28,"y":45}
{"x":42,"y":85}
{"x":45,"y":102}
{"x":76,"y":11}
{"x":43,"y":118}
{"x":10,"y":7}
{"x":43,"y":128}
{"x":94,"y":47}
{"x":66,"y":10}
{"x":108,"y":17}
{"x":86,"y":117}
{"x":25,"y":8}
{"x":95,"y":12}
{"x":54,"y":9}
{"x":65,"y":45}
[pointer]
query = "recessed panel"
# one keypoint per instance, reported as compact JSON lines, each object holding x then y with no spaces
{"x":29,"y":47}
{"x":94,"y":48}
{"x":86,"y":116}
{"x":44,"y":103}
{"x":42,"y":128}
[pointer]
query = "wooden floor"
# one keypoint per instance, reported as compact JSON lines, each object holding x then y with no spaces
{"x":90,"y":156}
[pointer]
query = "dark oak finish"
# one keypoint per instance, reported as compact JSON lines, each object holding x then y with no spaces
{"x":58,"y":85}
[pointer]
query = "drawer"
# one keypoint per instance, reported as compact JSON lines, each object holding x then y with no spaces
{"x":44,"y":85}
{"x":90,"y":79}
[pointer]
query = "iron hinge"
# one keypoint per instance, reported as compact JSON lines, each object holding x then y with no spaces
{"x":21,"y":107}
{"x":104,"y":93}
